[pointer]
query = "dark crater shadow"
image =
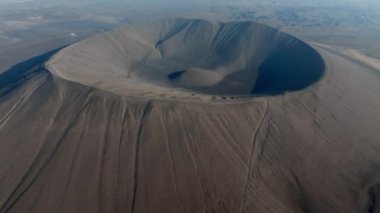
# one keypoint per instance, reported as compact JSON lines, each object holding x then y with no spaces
{"x":289,"y":69}
{"x":176,"y":74}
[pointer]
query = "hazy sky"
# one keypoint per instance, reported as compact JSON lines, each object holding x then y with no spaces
{"x":364,"y":3}
{"x":328,"y":2}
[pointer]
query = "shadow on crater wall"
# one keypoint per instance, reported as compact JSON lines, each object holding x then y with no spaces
{"x":289,"y":69}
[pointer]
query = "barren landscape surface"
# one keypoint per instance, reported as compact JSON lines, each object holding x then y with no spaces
{"x":88,"y":141}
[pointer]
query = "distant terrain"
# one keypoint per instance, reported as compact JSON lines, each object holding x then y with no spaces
{"x":26,"y":22}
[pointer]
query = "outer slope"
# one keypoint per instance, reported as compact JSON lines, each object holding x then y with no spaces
{"x":66,"y":147}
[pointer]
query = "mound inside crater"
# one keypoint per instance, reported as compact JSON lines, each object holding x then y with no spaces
{"x":191,"y":56}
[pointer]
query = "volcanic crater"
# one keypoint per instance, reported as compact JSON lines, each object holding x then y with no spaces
{"x":186,"y":58}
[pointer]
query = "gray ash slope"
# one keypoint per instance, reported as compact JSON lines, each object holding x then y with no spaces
{"x":212,"y":58}
{"x":67,"y":146}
